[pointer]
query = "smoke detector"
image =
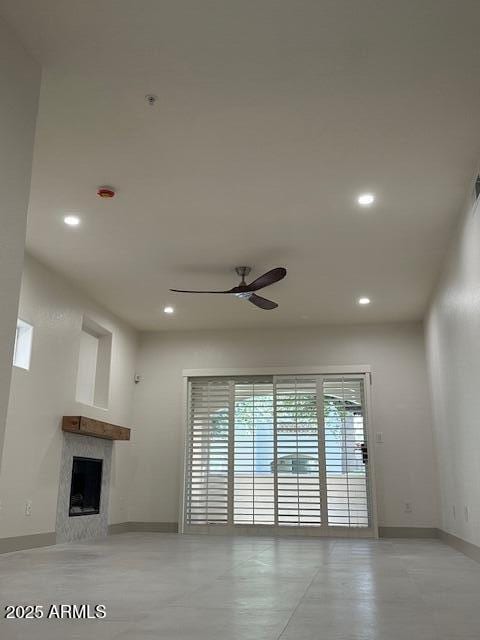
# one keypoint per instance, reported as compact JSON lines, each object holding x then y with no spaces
{"x":151,"y":99}
{"x":106,"y":192}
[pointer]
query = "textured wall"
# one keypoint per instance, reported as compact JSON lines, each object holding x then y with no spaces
{"x":453,"y":348}
{"x":401,"y":409}
{"x":19,"y":87}
{"x":40,"y":397}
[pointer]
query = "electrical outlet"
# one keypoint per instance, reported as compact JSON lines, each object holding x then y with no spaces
{"x":466,"y":513}
{"x":454,"y":511}
{"x":28,"y":508}
{"x":408,"y":507}
{"x":379,"y":437}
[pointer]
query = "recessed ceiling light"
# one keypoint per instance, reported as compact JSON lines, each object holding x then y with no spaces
{"x":72,"y":221}
{"x":168,"y":310}
{"x":364,"y":301}
{"x":366,"y":199}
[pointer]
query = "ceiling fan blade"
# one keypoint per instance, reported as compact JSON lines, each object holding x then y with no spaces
{"x":187,"y":291}
{"x":263,"y":303}
{"x":267,"y":279}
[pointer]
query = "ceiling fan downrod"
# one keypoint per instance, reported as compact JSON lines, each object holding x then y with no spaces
{"x":243,"y":272}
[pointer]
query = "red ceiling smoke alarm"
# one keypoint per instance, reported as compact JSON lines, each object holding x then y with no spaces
{"x":105,"y":192}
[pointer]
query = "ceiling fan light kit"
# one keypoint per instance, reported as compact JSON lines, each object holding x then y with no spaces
{"x":246,"y":291}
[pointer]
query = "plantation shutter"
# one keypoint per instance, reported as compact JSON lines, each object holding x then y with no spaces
{"x":253,"y":455}
{"x":299,"y":459}
{"x":207,"y":477}
{"x":345,"y":447}
{"x":278,"y":451}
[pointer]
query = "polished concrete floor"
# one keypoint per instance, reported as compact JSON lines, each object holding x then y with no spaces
{"x":171,"y":587}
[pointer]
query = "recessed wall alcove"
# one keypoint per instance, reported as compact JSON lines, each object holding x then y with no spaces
{"x":94,"y":359}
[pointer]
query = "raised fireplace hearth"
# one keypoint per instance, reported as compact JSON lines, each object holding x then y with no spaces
{"x":86,"y":486}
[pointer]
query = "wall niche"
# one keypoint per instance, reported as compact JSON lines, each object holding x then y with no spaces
{"x":94,"y":359}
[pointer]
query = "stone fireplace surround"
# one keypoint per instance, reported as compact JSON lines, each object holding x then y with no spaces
{"x":69,"y":528}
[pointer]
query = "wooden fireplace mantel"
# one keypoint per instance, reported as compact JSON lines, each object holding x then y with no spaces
{"x":89,"y":427}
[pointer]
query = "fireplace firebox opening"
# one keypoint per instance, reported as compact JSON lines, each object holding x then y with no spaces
{"x":86,"y":486}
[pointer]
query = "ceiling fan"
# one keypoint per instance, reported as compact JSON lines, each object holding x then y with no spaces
{"x":247,"y":291}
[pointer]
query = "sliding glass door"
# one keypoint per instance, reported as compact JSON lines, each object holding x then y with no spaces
{"x":288,"y":452}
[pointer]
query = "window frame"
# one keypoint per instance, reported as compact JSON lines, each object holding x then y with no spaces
{"x":25,"y":328}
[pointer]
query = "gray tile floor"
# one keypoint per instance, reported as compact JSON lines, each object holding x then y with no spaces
{"x":171,"y":587}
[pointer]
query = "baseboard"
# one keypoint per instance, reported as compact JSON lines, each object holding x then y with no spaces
{"x":160,"y":527}
{"x":120,"y":527}
{"x":146,"y":527}
{"x":172,"y":527}
{"x":467,"y":548}
{"x":407,"y":532}
{"x":18,"y":543}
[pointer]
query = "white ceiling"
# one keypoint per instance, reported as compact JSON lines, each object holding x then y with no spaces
{"x":272,"y":116}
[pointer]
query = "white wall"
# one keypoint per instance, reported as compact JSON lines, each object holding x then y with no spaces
{"x":404,"y":462}
{"x":19,"y":87}
{"x":87,"y":368}
{"x":41,"y":396}
{"x":453,"y":350}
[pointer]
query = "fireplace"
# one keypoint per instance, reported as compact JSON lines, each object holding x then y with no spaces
{"x":86,"y":486}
